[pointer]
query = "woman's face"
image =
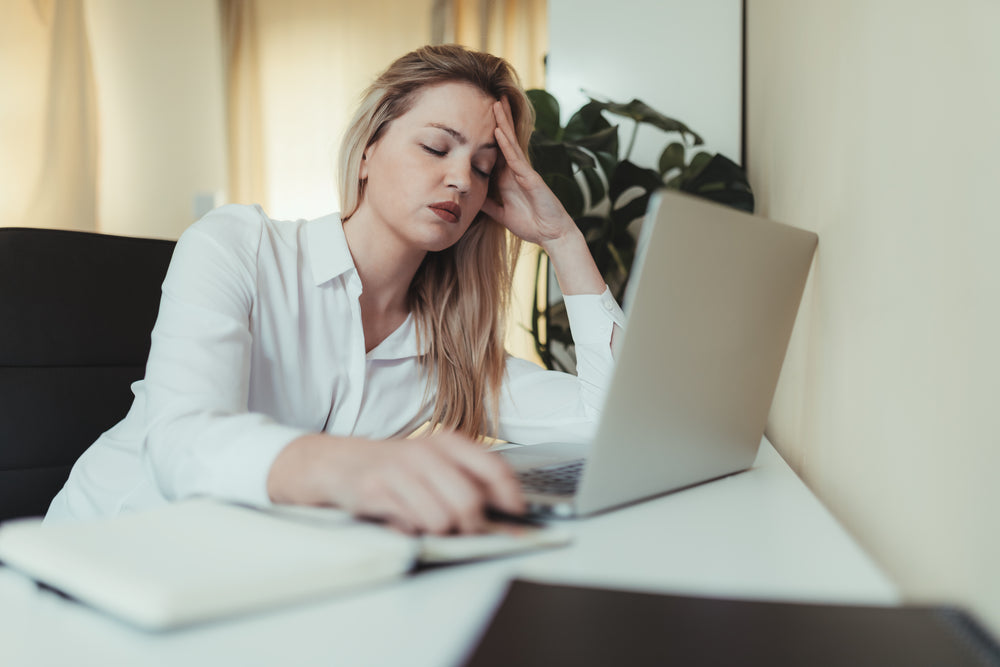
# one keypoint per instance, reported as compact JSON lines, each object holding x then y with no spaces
{"x":429,"y":172}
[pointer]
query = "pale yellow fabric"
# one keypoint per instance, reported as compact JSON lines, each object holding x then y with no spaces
{"x":48,"y":118}
{"x":296,"y":69}
{"x":245,"y":125}
{"x":514,"y":29}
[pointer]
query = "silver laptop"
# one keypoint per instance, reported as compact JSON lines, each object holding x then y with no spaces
{"x":710,"y":305}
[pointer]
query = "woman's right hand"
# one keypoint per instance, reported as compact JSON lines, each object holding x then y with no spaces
{"x":439,"y":484}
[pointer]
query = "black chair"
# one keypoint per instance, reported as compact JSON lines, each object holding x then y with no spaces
{"x":76,"y":311}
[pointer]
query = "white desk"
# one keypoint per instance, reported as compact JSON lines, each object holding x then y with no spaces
{"x":757,"y":534}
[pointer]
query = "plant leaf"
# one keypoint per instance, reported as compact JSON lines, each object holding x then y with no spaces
{"x":625,"y":242}
{"x":595,"y":185}
{"x":567,"y":190}
{"x":585,"y":122}
{"x":641,"y":112}
{"x":546,"y":113}
{"x":628,"y":174}
{"x":630,"y":212}
{"x":599,"y":249}
{"x":690,"y":173}
{"x":580,"y":157}
{"x":549,"y":157}
{"x":723,"y":181}
{"x":602,"y":141}
{"x":672,"y":158}
{"x":608,"y":163}
{"x":593,"y":227}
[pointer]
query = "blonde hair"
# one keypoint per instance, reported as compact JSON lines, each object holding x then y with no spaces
{"x":459,"y":296}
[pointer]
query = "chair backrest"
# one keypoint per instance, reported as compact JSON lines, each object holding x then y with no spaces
{"x":76,"y":312}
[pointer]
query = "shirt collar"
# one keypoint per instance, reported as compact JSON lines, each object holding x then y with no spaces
{"x":400,"y":344}
{"x":329,"y":257}
{"x":327,"y":248}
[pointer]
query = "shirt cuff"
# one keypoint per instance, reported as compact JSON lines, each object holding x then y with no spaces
{"x":230,"y":458}
{"x":592,"y":316}
{"x":255,"y":459}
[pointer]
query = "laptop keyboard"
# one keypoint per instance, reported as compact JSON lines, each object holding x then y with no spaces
{"x":558,"y":479}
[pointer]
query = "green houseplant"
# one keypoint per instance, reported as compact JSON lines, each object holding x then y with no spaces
{"x":607,"y":194}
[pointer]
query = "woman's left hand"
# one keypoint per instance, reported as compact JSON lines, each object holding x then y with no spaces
{"x":529,"y":210}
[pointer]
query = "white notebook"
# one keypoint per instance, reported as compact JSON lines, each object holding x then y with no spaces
{"x":202,"y":559}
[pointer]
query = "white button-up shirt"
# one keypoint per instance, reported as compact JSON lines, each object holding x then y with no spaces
{"x":259,"y":340}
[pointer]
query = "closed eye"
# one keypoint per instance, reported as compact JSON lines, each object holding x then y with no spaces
{"x":481,"y":173}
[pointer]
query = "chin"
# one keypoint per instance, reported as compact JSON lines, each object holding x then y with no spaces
{"x":437,"y":240}
{"x":440,"y":246}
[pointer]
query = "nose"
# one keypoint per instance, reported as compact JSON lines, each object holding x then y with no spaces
{"x":459,"y":175}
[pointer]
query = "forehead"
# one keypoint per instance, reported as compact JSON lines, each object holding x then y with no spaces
{"x":459,"y":106}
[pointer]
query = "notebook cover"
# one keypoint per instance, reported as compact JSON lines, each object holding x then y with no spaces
{"x":200,"y":559}
{"x":545,"y":624}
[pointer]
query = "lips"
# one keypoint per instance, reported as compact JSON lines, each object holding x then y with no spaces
{"x":447,"y":210}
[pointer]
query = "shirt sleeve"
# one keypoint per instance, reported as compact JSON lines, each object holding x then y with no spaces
{"x":200,"y":438}
{"x":538,"y":405}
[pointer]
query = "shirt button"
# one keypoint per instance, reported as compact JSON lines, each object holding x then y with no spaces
{"x":608,"y":306}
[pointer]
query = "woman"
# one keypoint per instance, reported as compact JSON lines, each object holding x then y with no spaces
{"x":290,"y":360}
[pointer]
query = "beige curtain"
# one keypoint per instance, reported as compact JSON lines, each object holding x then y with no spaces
{"x":244,"y":121}
{"x":48,"y":118}
{"x":516,"y":30}
{"x":513,"y":29}
{"x":295,"y":71}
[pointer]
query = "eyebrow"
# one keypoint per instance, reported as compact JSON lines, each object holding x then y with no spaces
{"x":458,"y":136}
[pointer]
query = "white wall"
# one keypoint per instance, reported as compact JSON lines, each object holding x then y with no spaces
{"x":682,"y":58}
{"x":876,"y":125}
{"x":158,"y":71}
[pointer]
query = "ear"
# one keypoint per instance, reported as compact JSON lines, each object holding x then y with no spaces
{"x":363,"y":169}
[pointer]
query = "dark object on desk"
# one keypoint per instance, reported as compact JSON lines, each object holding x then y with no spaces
{"x":544,"y":624}
{"x":76,"y":310}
